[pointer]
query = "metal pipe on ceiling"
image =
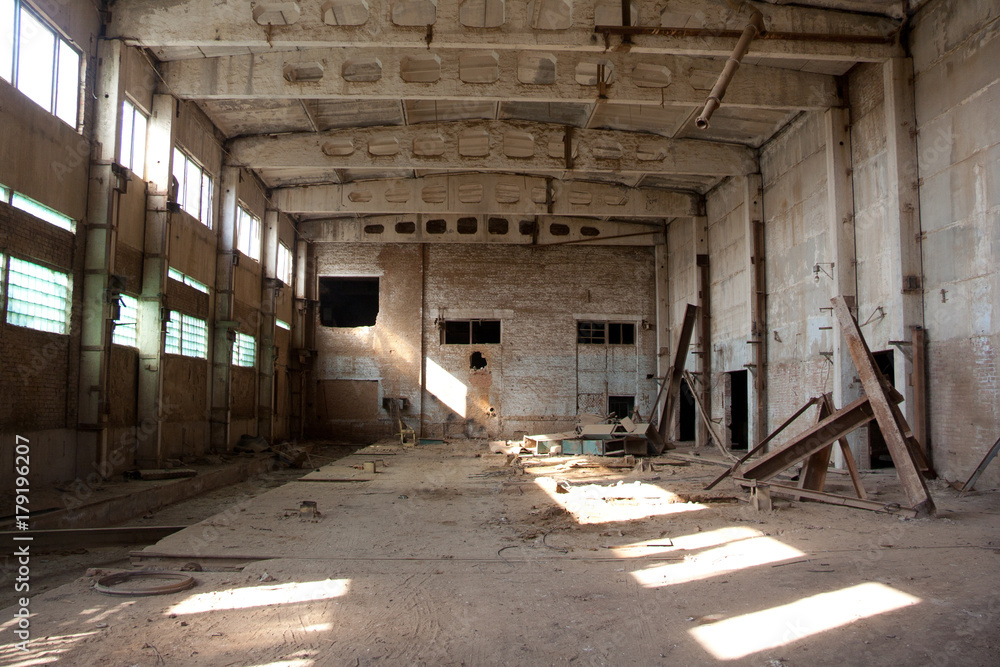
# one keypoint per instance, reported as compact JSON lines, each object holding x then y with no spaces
{"x":754,"y":27}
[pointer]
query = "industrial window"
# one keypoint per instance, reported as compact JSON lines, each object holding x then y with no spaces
{"x":244,"y":350}
{"x":37,"y":297}
{"x":283,"y":269}
{"x":186,"y":335}
{"x":472,"y":332}
{"x":132,"y":153}
{"x":247,"y":233}
{"x":281,"y":324}
{"x":348,"y":302}
{"x":194,"y":188}
{"x":40,"y":211}
{"x":621,"y":406}
{"x":126,"y":330}
{"x":601,"y":333}
{"x":187,"y":280}
{"x":36,"y":59}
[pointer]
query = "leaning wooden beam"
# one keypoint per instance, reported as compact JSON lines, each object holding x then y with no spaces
{"x":889,"y":420}
{"x":811,"y":441}
{"x":990,"y":455}
{"x":763,"y":443}
{"x":719,"y":443}
{"x":833,"y":499}
{"x":813,"y":474}
{"x":676,"y":373}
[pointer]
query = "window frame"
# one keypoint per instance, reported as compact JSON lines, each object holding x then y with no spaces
{"x":130,"y":162}
{"x":240,"y":342}
{"x":184,"y":325}
{"x":60,"y":40}
{"x":205,"y":182}
{"x":62,"y":328}
{"x":255,"y":235}
{"x":185,"y":279}
{"x":587,"y":332}
{"x":472,"y":325}
{"x":36,"y":209}
{"x":284,"y":271}
{"x":119,"y":322}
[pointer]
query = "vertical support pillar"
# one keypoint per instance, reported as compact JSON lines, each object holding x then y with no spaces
{"x":903,"y":211}
{"x":100,"y":239}
{"x":662,"y":287}
{"x":222,"y":349}
{"x":152,"y":302}
{"x":302,"y":338}
{"x":840,"y":232}
{"x":703,"y":282}
{"x":753,"y":230}
{"x":268,"y":298}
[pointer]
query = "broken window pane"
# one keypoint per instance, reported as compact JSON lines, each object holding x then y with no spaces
{"x":348,"y":302}
{"x":478,"y":332}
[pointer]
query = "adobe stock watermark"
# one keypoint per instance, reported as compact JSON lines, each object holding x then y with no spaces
{"x":22,"y":543}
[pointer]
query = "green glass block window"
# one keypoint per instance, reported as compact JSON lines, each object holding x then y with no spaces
{"x":37,"y":297}
{"x":187,"y":336}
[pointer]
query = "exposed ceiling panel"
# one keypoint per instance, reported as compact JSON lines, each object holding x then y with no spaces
{"x":731,"y":125}
{"x":547,"y":112}
{"x":640,"y":118}
{"x":440,"y":111}
{"x":240,"y":117}
{"x":332,"y":114}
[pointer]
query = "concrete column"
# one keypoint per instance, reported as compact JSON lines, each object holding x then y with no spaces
{"x":222,"y":348}
{"x":99,"y":238}
{"x":663,"y":329}
{"x":903,"y":211}
{"x":152,"y":304}
{"x":843,"y":256}
{"x":269,"y":289}
{"x":753,"y":229}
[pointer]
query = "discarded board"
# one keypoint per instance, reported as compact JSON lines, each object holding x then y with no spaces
{"x":674,"y":377}
{"x":990,"y":455}
{"x":829,"y":498}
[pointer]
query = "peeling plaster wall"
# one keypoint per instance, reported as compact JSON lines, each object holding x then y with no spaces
{"x":956,"y":46}
{"x":530,"y":379}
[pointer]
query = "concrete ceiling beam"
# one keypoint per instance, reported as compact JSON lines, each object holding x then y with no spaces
{"x":492,"y":146}
{"x":485,"y":194}
{"x":492,"y":75}
{"x":690,"y":27}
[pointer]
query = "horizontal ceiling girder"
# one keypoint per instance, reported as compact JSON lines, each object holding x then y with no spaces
{"x":484,"y":194}
{"x":484,"y":75}
{"x":703,"y":27}
{"x":447,"y":228}
{"x":503,"y":146}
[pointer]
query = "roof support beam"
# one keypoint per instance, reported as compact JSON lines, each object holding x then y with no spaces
{"x":179,"y":30}
{"x":494,"y":75}
{"x":504,"y":146}
{"x":487,"y":194}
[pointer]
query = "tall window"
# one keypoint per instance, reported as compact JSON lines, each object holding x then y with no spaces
{"x":127,"y":325}
{"x":186,"y":335}
{"x":194,"y":188}
{"x":284,"y":266}
{"x":38,"y":61}
{"x":37,"y":297}
{"x":133,"y":148}
{"x":247,"y":233}
{"x":244,"y":350}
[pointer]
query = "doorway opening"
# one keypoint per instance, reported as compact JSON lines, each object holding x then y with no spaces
{"x":877,"y":449}
{"x":739,"y":410}
{"x":621,"y":406}
{"x":685,"y":414}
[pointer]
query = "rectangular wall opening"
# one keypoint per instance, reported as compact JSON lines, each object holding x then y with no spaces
{"x":738,"y":409}
{"x":685,"y":414}
{"x":621,"y":406}
{"x":348,"y":302}
{"x":877,"y":449}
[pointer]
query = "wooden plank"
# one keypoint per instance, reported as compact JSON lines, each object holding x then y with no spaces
{"x":833,"y":499}
{"x":889,"y":420}
{"x":980,"y":468}
{"x":812,"y":440}
{"x":74,"y":538}
{"x":677,"y":372}
{"x":918,"y":379}
{"x":720,"y":445}
{"x":763,"y":443}
{"x":813,"y":473}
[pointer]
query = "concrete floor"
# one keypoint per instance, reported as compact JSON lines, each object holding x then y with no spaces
{"x":447,"y":557}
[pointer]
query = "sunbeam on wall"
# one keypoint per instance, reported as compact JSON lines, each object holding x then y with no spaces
{"x":447,"y":388}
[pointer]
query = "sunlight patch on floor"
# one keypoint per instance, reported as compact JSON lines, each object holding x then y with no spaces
{"x":709,"y":538}
{"x":261,"y":596}
{"x":41,"y":650}
{"x":730,"y":557}
{"x":593,"y":503}
{"x":744,"y":635}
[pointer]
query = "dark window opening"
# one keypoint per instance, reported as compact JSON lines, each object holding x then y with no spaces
{"x":405,"y":227}
{"x":437,"y":226}
{"x":497,"y":226}
{"x":739,"y":410}
{"x":621,"y":406}
{"x":348,"y":302}
{"x":558,"y":229}
{"x":590,"y":231}
{"x":685,"y":416}
{"x":472,"y":332}
{"x":590,"y":333}
{"x":621,"y":333}
{"x":477,"y":361}
{"x":877,"y":449}
{"x":374,"y":229}
{"x":527,"y":227}
{"x":467,"y":225}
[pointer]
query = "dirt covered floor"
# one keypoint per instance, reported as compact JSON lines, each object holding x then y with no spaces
{"x":447,"y":555}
